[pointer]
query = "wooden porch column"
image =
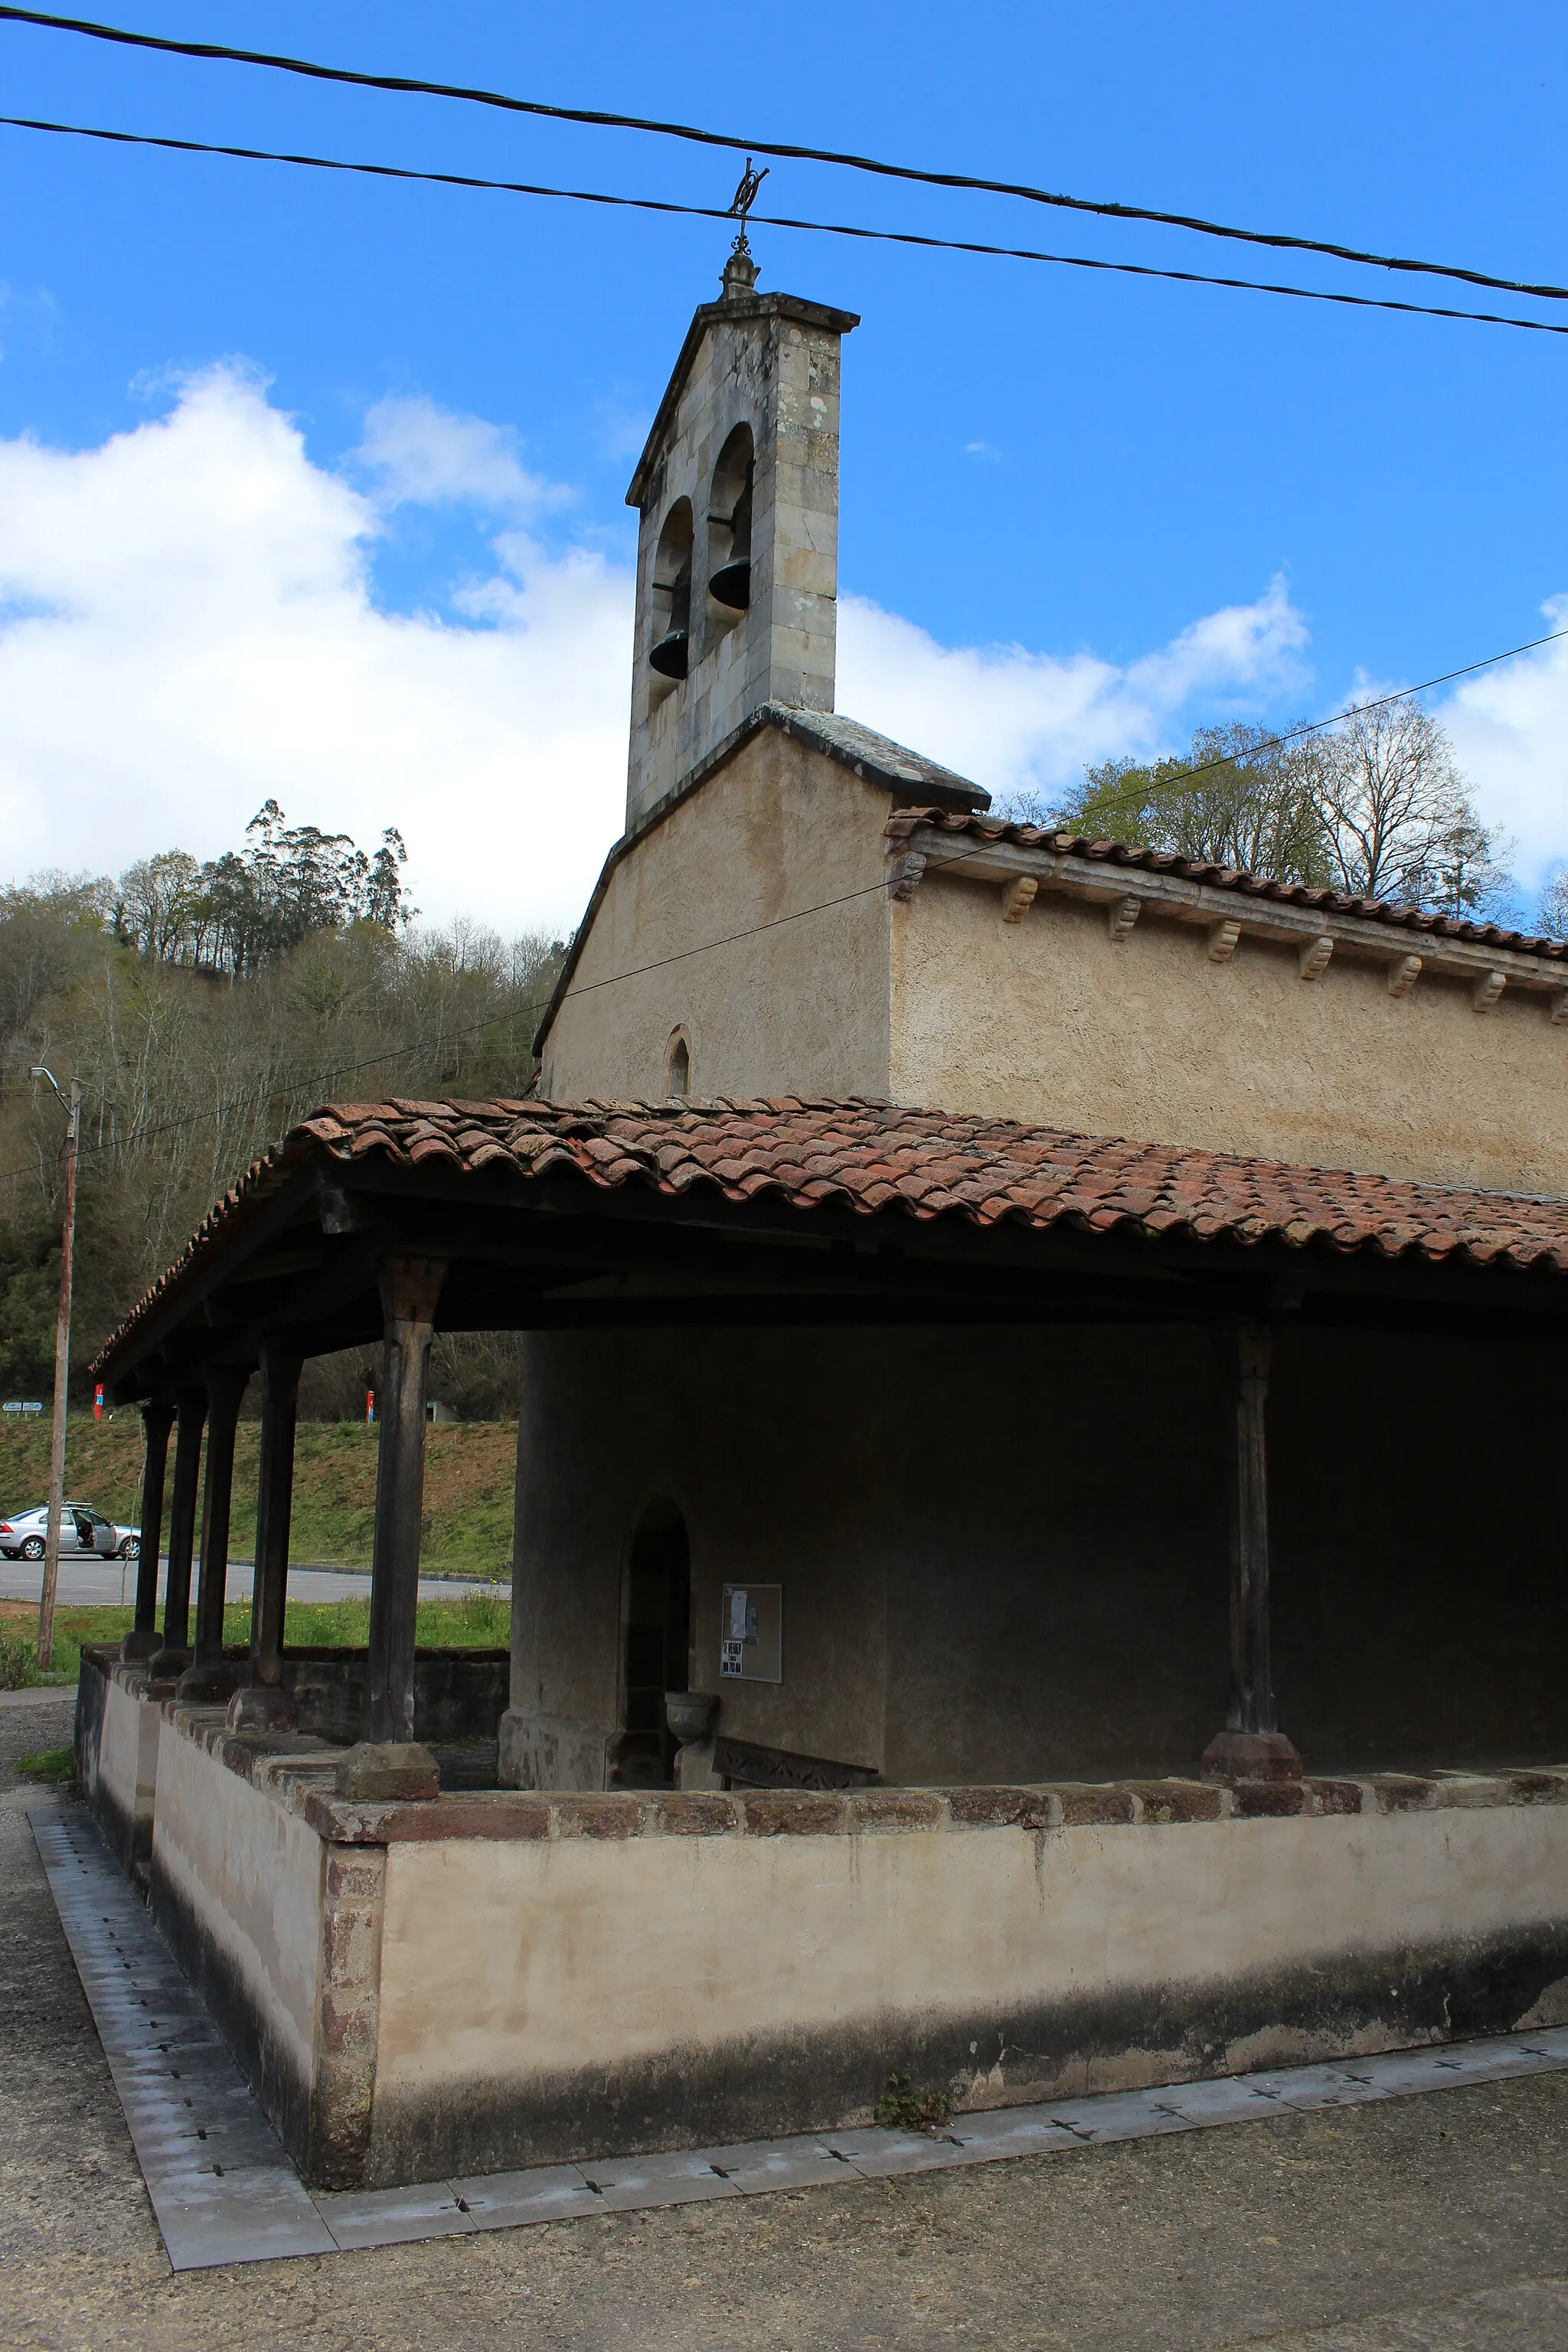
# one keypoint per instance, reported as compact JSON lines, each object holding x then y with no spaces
{"x":157,"y":1421}
{"x":266,"y":1705}
{"x":1251,"y":1746}
{"x":387,"y":1762}
{"x":209,"y":1675}
{"x":191,"y":1412}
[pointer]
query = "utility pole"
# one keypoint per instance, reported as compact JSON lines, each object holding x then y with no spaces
{"x":72,"y":1106}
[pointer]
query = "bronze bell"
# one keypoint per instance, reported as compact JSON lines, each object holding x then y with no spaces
{"x":731,"y":585}
{"x":669,"y":656}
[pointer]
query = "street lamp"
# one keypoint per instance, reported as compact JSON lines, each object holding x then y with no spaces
{"x":71,"y":1105}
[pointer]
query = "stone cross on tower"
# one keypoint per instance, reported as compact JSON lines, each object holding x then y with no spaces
{"x":738,"y":548}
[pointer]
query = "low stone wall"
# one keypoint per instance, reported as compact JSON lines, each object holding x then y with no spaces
{"x":501,"y":1978}
{"x":458,"y":1694}
{"x":116,"y":1741}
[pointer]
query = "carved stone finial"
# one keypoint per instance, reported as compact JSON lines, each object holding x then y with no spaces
{"x":740,"y":271}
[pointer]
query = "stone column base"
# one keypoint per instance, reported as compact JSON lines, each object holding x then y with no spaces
{"x":1251,"y":1755}
{"x":143,"y":1644}
{"x":260,"y":1707}
{"x":208,"y":1680}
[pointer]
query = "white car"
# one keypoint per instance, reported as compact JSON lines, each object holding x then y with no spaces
{"x":22,"y":1536}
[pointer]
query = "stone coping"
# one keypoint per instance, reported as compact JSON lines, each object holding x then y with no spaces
{"x":299,"y":1772}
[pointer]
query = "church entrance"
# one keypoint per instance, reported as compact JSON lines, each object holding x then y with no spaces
{"x":657,"y":1645}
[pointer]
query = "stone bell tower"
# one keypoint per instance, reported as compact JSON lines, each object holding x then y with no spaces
{"x":738,"y":550}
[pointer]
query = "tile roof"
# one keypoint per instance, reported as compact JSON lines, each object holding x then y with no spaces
{"x":877,"y":1160}
{"x":1219,"y":877}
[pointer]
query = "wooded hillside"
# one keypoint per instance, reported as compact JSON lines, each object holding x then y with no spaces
{"x":202,"y":1009}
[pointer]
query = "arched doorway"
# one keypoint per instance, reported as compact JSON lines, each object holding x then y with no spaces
{"x":657,"y":1641}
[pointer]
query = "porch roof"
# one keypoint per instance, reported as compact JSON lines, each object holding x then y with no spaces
{"x":794,"y":1208}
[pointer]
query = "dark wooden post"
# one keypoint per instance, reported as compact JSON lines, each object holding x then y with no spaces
{"x":387,"y":1762}
{"x":157,"y":1421}
{"x":190,"y":1413}
{"x":210,"y":1675}
{"x":266,"y":1706}
{"x":1251,"y":1746}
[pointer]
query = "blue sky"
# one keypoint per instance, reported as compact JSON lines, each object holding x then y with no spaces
{"x":1084,"y":469}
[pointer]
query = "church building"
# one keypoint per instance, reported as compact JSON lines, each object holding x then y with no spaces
{"x":997,"y":1552}
{"x":1037,"y":1556}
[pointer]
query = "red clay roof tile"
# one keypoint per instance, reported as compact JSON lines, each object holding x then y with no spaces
{"x":905,"y":821}
{"x":887,"y":1161}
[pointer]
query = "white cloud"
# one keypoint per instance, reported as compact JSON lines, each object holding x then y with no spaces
{"x":415,"y":452}
{"x":187,"y":627}
{"x":1509,"y":730}
{"x":1014,"y":720}
{"x":192,"y":629}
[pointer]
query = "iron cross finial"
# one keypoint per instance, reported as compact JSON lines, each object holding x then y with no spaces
{"x":745,"y":195}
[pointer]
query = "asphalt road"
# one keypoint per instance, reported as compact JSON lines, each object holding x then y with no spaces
{"x":103,"y":1582}
{"x":1431,"y":2224}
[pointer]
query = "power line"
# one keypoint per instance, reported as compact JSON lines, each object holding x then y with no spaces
{"x":775,"y":220}
{"x":599,"y":119}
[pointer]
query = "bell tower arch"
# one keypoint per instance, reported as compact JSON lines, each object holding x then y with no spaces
{"x":737,"y":586}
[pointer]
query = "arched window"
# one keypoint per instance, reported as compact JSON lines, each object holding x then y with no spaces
{"x":677,"y":1068}
{"x":670,"y":601}
{"x":657,"y":1656}
{"x":730,"y":530}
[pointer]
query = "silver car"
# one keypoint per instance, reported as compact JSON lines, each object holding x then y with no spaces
{"x":22,"y":1536}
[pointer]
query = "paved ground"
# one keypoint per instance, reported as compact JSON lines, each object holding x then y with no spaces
{"x":1433,"y":2225}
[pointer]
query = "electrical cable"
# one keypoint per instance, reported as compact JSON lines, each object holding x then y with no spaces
{"x":773,"y":220}
{"x":596,"y":118}
{"x":797,"y":914}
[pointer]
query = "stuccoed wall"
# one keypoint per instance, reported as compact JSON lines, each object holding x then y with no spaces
{"x":1003,"y":1553}
{"x":831,"y":1941}
{"x":236,"y":1887}
{"x":777,"y":1480}
{"x":469,"y":1983}
{"x":1048,"y":1020}
{"x":801,"y":1007}
{"x":117,"y":1753}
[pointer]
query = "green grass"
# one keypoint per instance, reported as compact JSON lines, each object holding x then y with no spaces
{"x":56,"y":1766}
{"x":475,"y":1621}
{"x":471,"y":1468}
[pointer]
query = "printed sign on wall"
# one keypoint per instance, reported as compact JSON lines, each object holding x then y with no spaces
{"x":751,"y":1634}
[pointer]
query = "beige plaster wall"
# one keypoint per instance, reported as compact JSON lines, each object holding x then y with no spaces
{"x":127,"y":1765}
{"x":239,"y":1879}
{"x":802,"y":1006}
{"x":512,"y":1970}
{"x":1004,"y":1552}
{"x":1049,"y":1020}
{"x":612,"y":1423}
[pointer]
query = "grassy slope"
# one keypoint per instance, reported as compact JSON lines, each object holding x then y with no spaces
{"x":470,"y":1473}
{"x":477,"y":1621}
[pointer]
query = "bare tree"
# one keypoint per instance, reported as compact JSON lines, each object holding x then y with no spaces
{"x":1395,"y":813}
